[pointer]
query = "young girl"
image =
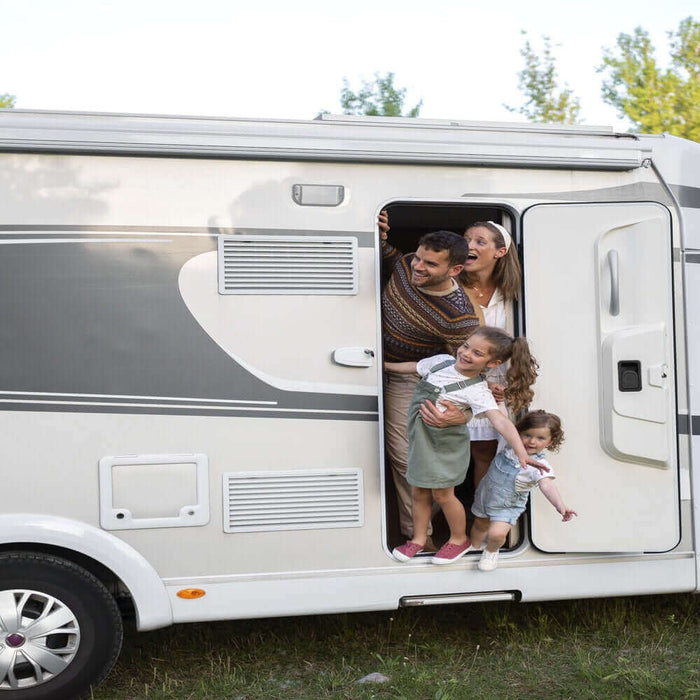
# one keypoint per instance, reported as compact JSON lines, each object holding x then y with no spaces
{"x":502,"y":494}
{"x":438,"y":457}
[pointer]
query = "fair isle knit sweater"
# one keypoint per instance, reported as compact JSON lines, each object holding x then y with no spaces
{"x":416,"y":324}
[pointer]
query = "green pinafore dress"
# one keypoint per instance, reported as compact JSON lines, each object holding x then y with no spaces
{"x":438,"y":458}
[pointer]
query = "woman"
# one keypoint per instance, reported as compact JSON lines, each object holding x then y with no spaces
{"x":493,"y":277}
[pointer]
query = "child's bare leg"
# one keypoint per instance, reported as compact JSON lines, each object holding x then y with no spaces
{"x":454,"y":514}
{"x":483,"y":451}
{"x":497,"y":535}
{"x":479,"y":531}
{"x":422,"y":502}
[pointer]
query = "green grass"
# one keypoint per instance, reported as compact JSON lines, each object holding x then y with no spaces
{"x":645,"y":647}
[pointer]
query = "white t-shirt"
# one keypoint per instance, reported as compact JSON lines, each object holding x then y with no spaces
{"x":526,"y":479}
{"x":477,"y":396}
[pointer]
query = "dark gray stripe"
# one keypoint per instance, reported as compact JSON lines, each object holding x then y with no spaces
{"x":692,"y":257}
{"x":10,"y":232}
{"x":634,"y":192}
{"x":109,"y":320}
{"x":176,"y":411}
{"x":688,"y":197}
{"x":688,"y":425}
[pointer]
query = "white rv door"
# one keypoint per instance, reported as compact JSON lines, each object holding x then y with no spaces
{"x":599,"y":316}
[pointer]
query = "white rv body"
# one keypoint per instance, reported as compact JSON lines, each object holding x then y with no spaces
{"x":169,"y":428}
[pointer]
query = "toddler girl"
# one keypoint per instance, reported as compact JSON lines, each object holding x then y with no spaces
{"x":502,"y":494}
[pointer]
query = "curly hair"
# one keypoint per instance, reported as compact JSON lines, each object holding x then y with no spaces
{"x":522,"y":371}
{"x":542,"y":419}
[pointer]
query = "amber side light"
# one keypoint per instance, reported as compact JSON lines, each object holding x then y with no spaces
{"x":191,"y":593}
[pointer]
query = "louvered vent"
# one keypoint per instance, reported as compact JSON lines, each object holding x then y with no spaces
{"x":287,"y":265}
{"x":292,"y":500}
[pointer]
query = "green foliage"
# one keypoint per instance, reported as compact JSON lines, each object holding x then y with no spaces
{"x":7,"y":101}
{"x":538,"y":81}
{"x":378,"y":99}
{"x":653,"y":99}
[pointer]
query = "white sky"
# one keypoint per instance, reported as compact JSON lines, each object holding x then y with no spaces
{"x":287,"y":58}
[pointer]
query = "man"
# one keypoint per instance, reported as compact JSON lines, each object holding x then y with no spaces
{"x":425,"y":312}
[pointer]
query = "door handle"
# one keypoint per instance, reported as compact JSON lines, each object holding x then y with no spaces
{"x":354,"y":357}
{"x":613,"y":266}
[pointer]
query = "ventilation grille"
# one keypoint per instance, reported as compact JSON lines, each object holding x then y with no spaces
{"x":287,"y":265}
{"x":296,"y":500}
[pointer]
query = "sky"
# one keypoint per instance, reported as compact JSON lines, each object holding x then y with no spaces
{"x":286,"y":59}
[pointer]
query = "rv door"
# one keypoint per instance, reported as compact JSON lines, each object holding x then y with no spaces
{"x":599,"y":316}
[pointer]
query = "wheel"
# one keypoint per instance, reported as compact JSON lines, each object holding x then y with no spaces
{"x":60,"y":629}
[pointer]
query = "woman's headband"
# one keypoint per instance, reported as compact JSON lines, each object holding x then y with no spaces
{"x":507,"y":240}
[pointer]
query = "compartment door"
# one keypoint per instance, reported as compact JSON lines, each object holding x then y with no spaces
{"x":599,"y":316}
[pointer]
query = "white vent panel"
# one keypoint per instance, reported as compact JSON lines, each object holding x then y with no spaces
{"x":287,"y":265}
{"x":292,"y":500}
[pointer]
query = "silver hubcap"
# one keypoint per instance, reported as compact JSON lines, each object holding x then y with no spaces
{"x":39,"y":637}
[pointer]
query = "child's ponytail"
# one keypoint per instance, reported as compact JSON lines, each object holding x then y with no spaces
{"x":522,"y":371}
{"x":520,"y":377}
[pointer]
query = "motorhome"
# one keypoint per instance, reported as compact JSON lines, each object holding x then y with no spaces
{"x":191,"y":368}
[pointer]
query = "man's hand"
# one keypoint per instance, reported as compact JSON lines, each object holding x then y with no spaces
{"x":430,"y":414}
{"x":383,"y":223}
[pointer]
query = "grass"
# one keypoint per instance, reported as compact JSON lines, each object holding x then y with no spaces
{"x":645,"y":647}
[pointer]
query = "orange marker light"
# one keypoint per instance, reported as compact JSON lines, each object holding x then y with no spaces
{"x":191,"y":593}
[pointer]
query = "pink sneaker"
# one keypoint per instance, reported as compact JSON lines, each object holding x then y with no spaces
{"x":450,"y":552}
{"x":407,"y":551}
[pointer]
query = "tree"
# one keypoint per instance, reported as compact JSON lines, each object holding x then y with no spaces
{"x":656,"y":100}
{"x":380,"y":98}
{"x":7,"y":101}
{"x":538,"y":81}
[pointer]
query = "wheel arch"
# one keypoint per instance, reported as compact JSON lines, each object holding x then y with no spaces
{"x":111,"y":560}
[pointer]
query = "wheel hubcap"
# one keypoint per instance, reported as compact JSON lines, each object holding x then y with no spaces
{"x":39,"y":637}
{"x":14,"y":640}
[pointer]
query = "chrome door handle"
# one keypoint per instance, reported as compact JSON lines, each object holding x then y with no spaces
{"x":613,"y":266}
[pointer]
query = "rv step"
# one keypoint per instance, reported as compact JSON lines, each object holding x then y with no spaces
{"x":413,"y":601}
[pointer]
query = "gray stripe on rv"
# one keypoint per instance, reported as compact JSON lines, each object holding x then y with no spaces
{"x":11,"y":232}
{"x":636,"y":192}
{"x":109,"y":320}
{"x":688,"y":425}
{"x":688,"y":197}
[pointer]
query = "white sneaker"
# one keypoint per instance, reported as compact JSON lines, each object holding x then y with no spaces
{"x":488,"y":561}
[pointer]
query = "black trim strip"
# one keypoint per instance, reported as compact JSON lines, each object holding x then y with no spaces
{"x":692,"y":257}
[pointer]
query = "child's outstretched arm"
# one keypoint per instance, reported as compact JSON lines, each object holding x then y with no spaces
{"x":504,"y":426}
{"x":401,"y":367}
{"x":552,"y":494}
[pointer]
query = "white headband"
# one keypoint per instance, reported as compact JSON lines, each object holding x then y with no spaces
{"x":507,"y":240}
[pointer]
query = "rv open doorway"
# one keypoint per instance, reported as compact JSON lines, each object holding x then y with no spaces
{"x":409,"y":221}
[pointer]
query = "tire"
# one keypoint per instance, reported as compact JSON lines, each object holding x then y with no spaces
{"x":60,"y":628}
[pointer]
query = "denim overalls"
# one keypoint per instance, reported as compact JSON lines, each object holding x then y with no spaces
{"x":496,"y":497}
